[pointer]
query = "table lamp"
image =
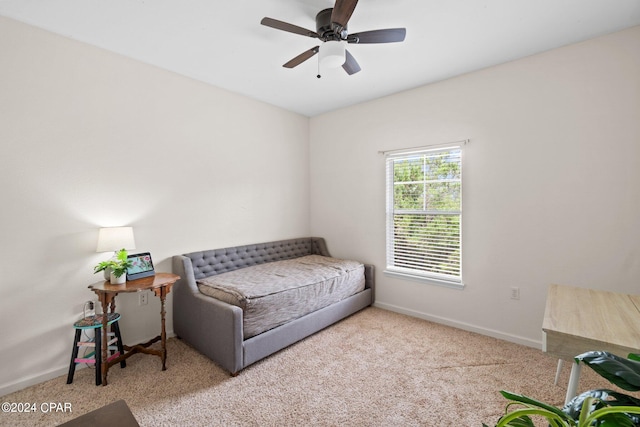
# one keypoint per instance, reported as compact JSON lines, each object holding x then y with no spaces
{"x":112,"y":239}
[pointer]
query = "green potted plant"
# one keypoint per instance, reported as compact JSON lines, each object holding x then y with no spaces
{"x":601,"y":407}
{"x":117,"y":266}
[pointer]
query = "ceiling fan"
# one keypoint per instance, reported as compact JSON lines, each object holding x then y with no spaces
{"x":331,"y":28}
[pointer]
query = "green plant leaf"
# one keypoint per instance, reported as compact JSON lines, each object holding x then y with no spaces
{"x":602,"y":399}
{"x":521,"y":418}
{"x":622,"y":372}
{"x":101,"y":266}
{"x":533,"y":403}
{"x":523,"y":421}
{"x":613,"y":416}
{"x":122,"y":255}
{"x":587,"y":405}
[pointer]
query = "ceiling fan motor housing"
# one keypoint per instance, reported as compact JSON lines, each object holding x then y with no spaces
{"x":326,"y":30}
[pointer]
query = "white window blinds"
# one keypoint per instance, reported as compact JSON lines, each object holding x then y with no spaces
{"x":424,"y":214}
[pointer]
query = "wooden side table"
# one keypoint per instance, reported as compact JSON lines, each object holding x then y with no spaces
{"x":577,"y":320}
{"x":161,"y":285}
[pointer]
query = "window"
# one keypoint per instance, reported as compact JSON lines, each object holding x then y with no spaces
{"x":424,"y":215}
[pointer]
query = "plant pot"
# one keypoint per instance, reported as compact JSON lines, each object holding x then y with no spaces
{"x":107,"y":273}
{"x":118,"y":280}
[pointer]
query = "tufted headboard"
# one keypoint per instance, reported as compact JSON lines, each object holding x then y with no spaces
{"x":216,"y":261}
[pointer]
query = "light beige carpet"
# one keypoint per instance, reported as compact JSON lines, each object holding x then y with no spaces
{"x":376,"y":368}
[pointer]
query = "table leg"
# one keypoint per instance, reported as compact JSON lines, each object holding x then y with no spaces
{"x":572,"y":387}
{"x":163,"y":334}
{"x":558,"y":370}
{"x":162,"y":294}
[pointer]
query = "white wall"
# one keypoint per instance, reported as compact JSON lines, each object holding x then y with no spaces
{"x":89,"y":139}
{"x":551,"y":181}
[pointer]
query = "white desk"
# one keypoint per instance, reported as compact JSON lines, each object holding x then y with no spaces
{"x":577,"y":320}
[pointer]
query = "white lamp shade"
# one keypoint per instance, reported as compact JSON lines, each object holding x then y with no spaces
{"x":111,"y":239}
{"x":332,"y":54}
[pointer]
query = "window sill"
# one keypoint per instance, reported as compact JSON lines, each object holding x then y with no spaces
{"x":424,"y":279}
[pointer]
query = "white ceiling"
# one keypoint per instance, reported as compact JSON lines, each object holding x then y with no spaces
{"x":223,"y":43}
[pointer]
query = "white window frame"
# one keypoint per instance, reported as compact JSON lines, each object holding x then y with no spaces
{"x":419,"y":274}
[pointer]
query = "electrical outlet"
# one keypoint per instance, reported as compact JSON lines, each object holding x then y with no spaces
{"x":515,"y":292}
{"x":143,"y":298}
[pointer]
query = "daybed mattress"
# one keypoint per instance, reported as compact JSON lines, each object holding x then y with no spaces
{"x":274,"y":293}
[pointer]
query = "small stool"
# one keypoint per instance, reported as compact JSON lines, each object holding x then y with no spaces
{"x":95,"y":357}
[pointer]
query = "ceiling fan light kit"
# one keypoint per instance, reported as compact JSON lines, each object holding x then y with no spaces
{"x":331,"y":29}
{"x":332,"y":54}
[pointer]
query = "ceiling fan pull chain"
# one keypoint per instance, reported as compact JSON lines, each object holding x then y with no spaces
{"x":318,"y":76}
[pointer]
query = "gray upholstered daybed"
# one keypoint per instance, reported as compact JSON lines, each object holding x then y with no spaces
{"x":241,"y":327}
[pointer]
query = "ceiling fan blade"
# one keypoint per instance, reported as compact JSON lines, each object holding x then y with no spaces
{"x":350,"y":65}
{"x":302,"y":57}
{"x":342,"y":12}
{"x":285,"y":26}
{"x":390,"y":35}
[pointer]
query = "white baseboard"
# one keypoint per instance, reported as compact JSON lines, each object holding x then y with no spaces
{"x":46,"y":376}
{"x":36,"y":379}
{"x":462,"y":325}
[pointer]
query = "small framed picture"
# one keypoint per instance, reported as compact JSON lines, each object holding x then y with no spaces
{"x":142,"y":266}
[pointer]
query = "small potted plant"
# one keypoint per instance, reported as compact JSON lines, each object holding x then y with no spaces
{"x":117,"y":266}
{"x":600,"y":407}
